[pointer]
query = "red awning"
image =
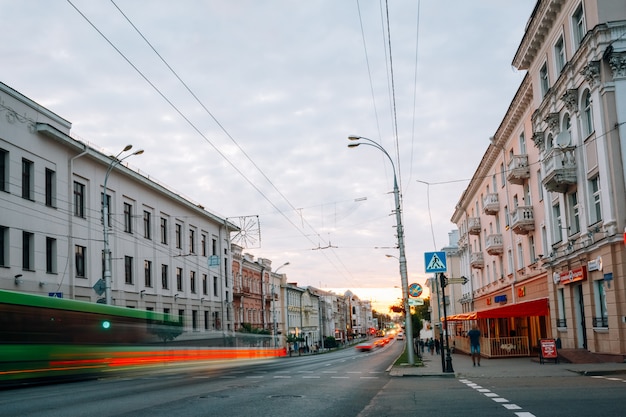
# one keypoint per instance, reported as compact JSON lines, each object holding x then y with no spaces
{"x":527,"y":309}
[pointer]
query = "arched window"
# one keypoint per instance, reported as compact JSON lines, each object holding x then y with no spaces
{"x":549,"y":144}
{"x":587,"y":114}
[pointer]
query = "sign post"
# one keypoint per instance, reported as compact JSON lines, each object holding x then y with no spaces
{"x":548,"y":350}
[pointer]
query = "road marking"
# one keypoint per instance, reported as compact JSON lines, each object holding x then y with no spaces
{"x":340,"y":377}
{"x":254,"y":376}
{"x":311,"y":377}
{"x":495,"y":397}
{"x":282,"y":376}
{"x":369,"y":377}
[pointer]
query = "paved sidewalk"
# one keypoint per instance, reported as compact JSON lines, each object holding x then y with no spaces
{"x":505,"y":367}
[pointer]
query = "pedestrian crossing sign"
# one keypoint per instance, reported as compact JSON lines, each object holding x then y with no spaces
{"x":435,"y":262}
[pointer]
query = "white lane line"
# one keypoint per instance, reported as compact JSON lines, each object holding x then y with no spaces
{"x":495,"y":397}
{"x":368,"y":377}
{"x":311,"y":377}
{"x":282,"y":376}
{"x":340,"y":377}
{"x":254,"y":376}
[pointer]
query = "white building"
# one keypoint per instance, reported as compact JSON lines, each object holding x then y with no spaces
{"x":168,"y":254}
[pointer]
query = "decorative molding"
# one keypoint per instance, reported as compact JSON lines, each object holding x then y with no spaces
{"x":591,"y":72}
{"x":552,"y":119}
{"x":570,"y":98}
{"x":539,"y":139}
{"x":617,"y":62}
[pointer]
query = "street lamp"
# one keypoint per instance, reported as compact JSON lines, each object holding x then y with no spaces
{"x":400,"y":231}
{"x":274,"y":324}
{"x":115,"y":161}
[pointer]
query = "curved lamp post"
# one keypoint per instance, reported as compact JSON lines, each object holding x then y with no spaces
{"x":115,"y":161}
{"x":400,"y":231}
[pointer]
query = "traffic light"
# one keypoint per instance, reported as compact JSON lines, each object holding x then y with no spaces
{"x":106,"y":324}
{"x":443,"y":281}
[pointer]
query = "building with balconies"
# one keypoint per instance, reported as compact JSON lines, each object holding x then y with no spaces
{"x":563,"y":201}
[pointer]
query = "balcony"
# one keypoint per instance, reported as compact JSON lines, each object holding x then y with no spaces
{"x":463,"y":241}
{"x":476,"y":260}
{"x":491,"y":204}
{"x":560,"y":169}
{"x":494,"y":244}
{"x":473,"y":225}
{"x":518,"y":169}
{"x":522,"y":220}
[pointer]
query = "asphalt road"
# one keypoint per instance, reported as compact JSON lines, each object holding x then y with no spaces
{"x":344,"y":383}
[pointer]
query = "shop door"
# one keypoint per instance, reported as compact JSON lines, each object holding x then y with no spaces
{"x":581,"y":328}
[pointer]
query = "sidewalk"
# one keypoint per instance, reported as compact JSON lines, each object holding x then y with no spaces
{"x":505,"y":367}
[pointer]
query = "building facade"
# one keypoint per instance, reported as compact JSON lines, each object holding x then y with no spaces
{"x":541,"y":223}
{"x":168,"y":254}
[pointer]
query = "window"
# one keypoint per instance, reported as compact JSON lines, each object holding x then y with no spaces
{"x":27,"y":179}
{"x":520,"y":255}
{"x":80,"y":253}
{"x":147,"y":224}
{"x":192,"y":281}
{"x":109,"y":209}
{"x":206,"y":320}
{"x":510,"y":259}
{"x":215,"y":292}
{"x":179,"y":279}
{"x":522,"y":144}
{"x":164,"y":230}
{"x":544,"y":80}
{"x":559,"y":55}
{"x":557,"y":223}
{"x":587,"y":114}
{"x":4,"y":170}
{"x":164,"y":277}
{"x":502,"y":175}
{"x":203,"y":243}
{"x":573,"y":213}
{"x":194,"y":320}
{"x":601,"y":318}
{"x":128,"y":269}
{"x":51,"y":188}
{"x":147,"y":271}
{"x":578,"y":25}
{"x":494,"y":182}
{"x":128,"y":218}
{"x":192,"y":241}
{"x":205,"y":284}
{"x":51,"y":255}
{"x":539,"y":185}
{"x":179,"y":236}
{"x":4,"y":246}
{"x":531,"y":246}
{"x":28,"y":251}
{"x":596,"y":208}
{"x":213,"y":246}
{"x":79,"y":199}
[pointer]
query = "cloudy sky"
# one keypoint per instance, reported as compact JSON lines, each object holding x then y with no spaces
{"x":245,"y":106}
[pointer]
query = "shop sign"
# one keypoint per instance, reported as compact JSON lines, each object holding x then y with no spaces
{"x":595,"y":264}
{"x":573,"y":275}
{"x":521,"y":292}
{"x":500,"y":299}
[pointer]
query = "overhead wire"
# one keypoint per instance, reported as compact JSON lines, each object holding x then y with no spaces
{"x":194,"y":127}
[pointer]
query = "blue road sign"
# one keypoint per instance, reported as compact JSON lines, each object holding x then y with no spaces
{"x":435,"y":262}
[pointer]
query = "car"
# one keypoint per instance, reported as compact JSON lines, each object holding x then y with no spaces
{"x":400,"y":336}
{"x":365,"y":346}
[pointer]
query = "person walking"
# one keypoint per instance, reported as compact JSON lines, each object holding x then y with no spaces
{"x":474,"y":336}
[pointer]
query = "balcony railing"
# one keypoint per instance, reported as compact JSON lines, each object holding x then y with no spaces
{"x":560,"y":169}
{"x":473,"y":225}
{"x":494,"y":244}
{"x":476,"y":260}
{"x":523,"y":220}
{"x":518,"y":169}
{"x":561,"y":323}
{"x":491,"y":204}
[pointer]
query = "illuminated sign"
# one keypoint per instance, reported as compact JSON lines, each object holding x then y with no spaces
{"x":500,"y":299}
{"x":573,"y":275}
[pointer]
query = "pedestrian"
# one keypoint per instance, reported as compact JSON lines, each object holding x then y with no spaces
{"x":474,"y":336}
{"x":437,"y":345}
{"x":431,"y":346}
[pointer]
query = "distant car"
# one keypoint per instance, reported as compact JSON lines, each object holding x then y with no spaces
{"x":365,"y":346}
{"x":400,"y":336}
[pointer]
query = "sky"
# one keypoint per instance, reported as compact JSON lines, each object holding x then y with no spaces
{"x":245,"y":107}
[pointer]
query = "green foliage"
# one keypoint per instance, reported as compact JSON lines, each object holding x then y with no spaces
{"x":330,"y":342}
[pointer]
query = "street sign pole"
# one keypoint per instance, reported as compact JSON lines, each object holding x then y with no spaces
{"x":448,"y":365}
